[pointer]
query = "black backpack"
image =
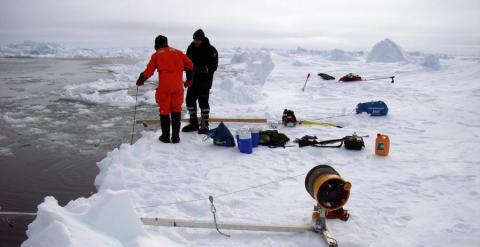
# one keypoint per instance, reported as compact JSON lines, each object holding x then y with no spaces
{"x":273,"y":139}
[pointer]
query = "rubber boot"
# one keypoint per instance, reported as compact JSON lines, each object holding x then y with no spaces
{"x":193,"y":125}
{"x":165,"y":124}
{"x":204,"y":125}
{"x":176,"y":117}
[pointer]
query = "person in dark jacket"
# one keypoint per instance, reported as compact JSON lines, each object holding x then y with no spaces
{"x":199,"y":82}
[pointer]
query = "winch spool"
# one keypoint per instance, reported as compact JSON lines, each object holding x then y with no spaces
{"x":327,"y":187}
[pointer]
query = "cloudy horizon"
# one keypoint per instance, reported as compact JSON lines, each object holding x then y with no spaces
{"x":430,"y":26}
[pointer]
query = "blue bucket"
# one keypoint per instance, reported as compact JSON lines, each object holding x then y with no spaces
{"x":255,"y":137}
{"x":238,"y":144}
{"x":244,"y":140}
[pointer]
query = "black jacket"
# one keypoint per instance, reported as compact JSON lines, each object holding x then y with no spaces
{"x":205,"y":61}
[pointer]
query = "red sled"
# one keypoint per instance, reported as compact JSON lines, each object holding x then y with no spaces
{"x":350,"y":77}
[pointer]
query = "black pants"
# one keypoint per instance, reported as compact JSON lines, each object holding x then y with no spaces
{"x":200,"y":94}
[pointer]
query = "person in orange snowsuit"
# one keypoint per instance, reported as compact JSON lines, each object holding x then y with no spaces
{"x":170,"y":64}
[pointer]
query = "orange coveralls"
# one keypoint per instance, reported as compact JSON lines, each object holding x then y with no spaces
{"x":170,"y":64}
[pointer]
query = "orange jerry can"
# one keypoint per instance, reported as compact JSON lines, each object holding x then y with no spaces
{"x":382,"y":145}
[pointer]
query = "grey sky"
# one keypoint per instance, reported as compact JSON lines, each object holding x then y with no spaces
{"x":427,"y":25}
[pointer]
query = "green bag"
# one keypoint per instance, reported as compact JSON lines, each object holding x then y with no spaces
{"x":273,"y":139}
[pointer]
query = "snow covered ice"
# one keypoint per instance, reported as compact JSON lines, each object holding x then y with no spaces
{"x":425,"y":193}
{"x":340,"y":55}
{"x":386,"y":51}
{"x":105,"y":219}
{"x":34,"y":49}
{"x":112,"y":92}
{"x":5,"y":152}
{"x":432,"y":62}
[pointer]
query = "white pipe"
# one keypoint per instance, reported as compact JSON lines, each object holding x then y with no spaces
{"x":194,"y":224}
{"x":226,"y":226}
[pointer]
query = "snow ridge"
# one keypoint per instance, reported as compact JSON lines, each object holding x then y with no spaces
{"x":386,"y":51}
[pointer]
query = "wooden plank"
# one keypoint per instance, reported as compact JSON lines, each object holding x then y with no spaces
{"x":226,"y":226}
{"x":225,"y":120}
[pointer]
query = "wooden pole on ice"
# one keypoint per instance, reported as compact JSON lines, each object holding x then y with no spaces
{"x":225,"y":120}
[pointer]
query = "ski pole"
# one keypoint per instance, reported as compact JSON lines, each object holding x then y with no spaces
{"x":308,"y":76}
{"x":134,"y":116}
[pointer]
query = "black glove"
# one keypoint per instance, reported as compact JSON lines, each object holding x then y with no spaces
{"x":141,"y":80}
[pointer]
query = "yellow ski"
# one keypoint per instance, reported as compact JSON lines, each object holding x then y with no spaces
{"x":309,"y":122}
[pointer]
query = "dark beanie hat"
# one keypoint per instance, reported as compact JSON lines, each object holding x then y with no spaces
{"x":160,"y":41}
{"x":199,"y":35}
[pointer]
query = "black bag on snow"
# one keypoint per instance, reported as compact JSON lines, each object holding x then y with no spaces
{"x":326,"y":76}
{"x":273,"y":139}
{"x":312,"y":141}
{"x":353,"y":142}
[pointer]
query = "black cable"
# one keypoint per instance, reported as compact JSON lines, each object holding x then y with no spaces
{"x":223,"y":194}
{"x":134,"y":117}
